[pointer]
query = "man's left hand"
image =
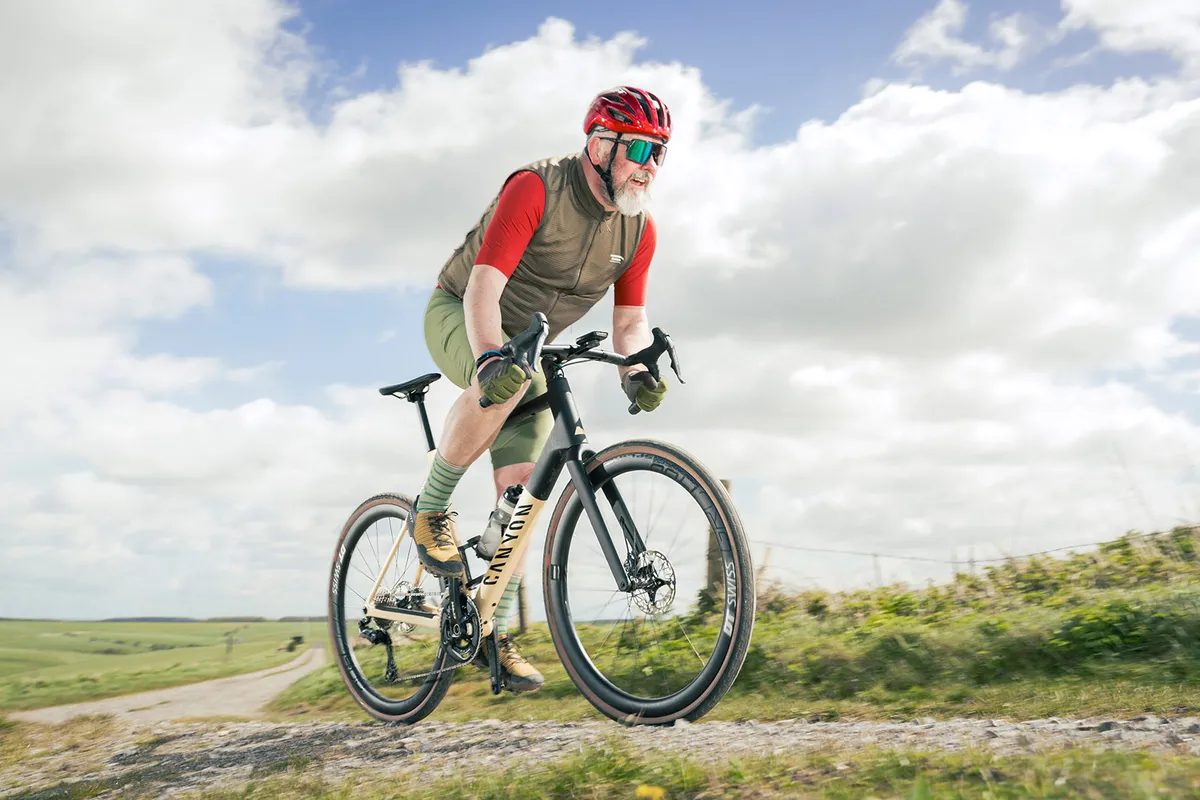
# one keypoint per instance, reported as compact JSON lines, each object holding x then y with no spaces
{"x":641,"y":388}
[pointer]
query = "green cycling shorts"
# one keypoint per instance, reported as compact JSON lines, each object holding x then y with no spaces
{"x":446,"y":337}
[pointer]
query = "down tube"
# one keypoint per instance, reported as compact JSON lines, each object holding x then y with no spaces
{"x":519,"y":533}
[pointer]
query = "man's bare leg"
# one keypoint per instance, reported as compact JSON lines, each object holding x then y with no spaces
{"x":512,"y":475}
{"x":469,"y":431}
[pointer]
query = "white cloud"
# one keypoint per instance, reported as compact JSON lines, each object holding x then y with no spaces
{"x":69,"y":326}
{"x":937,"y":36}
{"x":1054,"y":228}
{"x":1171,"y":26}
{"x":196,"y":139}
{"x":1166,"y":26}
{"x":895,"y":327}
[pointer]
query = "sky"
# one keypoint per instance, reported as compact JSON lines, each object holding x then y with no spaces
{"x":931,"y":268}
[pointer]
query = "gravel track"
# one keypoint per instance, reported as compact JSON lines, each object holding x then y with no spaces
{"x":235,"y":696}
{"x":143,"y":749}
{"x":161,"y":759}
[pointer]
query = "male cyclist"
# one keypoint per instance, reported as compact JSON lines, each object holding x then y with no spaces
{"x":560,"y":232}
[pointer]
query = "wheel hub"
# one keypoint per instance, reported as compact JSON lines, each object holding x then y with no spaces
{"x":653,"y":581}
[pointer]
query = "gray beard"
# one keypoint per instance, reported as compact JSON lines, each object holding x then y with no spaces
{"x":631,"y":203}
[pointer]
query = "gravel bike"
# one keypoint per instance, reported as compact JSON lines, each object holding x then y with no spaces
{"x":646,"y":633}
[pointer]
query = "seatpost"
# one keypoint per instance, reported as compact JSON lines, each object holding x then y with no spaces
{"x":419,"y":399}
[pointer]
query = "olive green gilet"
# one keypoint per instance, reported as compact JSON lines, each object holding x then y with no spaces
{"x":577,"y":252}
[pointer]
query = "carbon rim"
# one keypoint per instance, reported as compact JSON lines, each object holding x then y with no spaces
{"x":359,"y":663}
{"x":566,"y":629}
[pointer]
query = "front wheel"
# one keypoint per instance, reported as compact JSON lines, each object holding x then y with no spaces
{"x":672,"y":645}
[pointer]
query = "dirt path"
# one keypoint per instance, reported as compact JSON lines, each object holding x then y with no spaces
{"x":159,"y":759}
{"x":236,"y":696}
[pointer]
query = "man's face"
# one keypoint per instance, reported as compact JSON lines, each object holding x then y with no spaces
{"x":631,"y":181}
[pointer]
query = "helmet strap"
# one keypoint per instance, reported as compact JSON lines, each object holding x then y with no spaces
{"x":605,"y":172}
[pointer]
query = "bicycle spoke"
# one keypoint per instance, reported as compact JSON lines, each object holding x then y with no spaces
{"x":653,"y":527}
{"x":365,"y":574}
{"x":689,"y":640}
{"x":382,"y":651}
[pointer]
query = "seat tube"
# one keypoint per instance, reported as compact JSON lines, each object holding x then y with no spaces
{"x":429,"y":443}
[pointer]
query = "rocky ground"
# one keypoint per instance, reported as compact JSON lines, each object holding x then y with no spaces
{"x":162,"y":759}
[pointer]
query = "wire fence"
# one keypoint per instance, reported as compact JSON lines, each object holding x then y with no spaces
{"x":955,"y":563}
{"x":926,"y":559}
{"x":792,"y":579}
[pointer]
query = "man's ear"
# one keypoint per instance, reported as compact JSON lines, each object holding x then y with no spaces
{"x":595,"y":149}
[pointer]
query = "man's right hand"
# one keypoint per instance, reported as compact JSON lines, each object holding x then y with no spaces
{"x":500,"y":379}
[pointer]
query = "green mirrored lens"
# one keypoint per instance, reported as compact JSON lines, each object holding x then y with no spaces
{"x":639,"y":151}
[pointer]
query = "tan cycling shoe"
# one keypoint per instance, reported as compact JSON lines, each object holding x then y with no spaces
{"x":519,"y":674}
{"x":437,"y":545}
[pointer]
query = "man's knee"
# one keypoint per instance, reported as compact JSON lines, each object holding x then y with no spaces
{"x":510,"y":475}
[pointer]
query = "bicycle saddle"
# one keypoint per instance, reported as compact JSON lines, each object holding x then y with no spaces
{"x":414,"y":387}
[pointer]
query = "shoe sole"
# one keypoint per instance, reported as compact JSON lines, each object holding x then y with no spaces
{"x":523,"y":688}
{"x":438,"y":570}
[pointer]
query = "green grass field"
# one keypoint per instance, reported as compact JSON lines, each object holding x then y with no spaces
{"x":1115,"y":632}
{"x":45,"y":663}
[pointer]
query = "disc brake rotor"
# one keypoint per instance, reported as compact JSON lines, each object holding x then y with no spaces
{"x":653,"y":581}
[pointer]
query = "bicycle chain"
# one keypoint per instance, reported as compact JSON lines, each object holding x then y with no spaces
{"x":474,"y":653}
{"x":403,"y":678}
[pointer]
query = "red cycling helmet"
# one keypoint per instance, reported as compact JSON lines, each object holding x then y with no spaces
{"x":628,"y":109}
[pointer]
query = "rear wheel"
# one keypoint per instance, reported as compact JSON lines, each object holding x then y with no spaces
{"x":671,"y":646}
{"x":374,"y":655}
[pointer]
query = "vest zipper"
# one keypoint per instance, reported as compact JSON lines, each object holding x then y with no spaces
{"x":586,"y":253}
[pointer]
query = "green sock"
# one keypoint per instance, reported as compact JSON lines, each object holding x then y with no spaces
{"x":439,"y":485}
{"x":508,"y":602}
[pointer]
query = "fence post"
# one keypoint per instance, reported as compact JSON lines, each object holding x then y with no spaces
{"x":521,"y":608}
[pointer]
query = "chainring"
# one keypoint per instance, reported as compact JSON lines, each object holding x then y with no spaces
{"x":461,"y":639}
{"x":458,"y":652}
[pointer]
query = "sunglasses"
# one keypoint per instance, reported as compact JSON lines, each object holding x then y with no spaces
{"x":639,"y":151}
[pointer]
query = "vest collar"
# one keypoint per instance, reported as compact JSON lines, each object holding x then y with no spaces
{"x":583,"y":192}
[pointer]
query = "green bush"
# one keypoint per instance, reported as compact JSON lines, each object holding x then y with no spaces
{"x":1133,"y":600}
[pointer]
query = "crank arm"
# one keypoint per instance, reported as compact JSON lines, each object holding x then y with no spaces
{"x":423,"y":619}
